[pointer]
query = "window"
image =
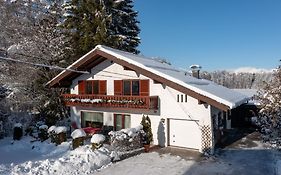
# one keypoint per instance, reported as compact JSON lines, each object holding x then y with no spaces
{"x":118,"y":122}
{"x":131,"y":87}
{"x":181,"y":98}
{"x":127,"y":87}
{"x":135,"y":87}
{"x":97,"y":87}
{"x":89,"y":88}
{"x":91,"y":119}
{"x":121,"y":121}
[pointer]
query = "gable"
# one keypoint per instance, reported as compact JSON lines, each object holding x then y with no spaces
{"x":85,"y":63}
{"x":203,"y":90}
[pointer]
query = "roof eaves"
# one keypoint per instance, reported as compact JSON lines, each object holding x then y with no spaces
{"x":64,"y":73}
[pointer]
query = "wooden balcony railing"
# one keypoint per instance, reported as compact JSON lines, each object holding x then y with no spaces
{"x":112,"y":101}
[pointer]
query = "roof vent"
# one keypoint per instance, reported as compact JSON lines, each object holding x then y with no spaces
{"x":195,"y":69}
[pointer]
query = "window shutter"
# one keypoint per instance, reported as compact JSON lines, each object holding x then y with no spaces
{"x":144,"y":87}
{"x":118,"y":87}
{"x":81,"y":87}
{"x":102,"y":87}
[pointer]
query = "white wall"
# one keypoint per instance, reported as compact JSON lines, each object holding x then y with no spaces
{"x":169,"y":107}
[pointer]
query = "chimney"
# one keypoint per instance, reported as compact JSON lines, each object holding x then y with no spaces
{"x":195,"y":69}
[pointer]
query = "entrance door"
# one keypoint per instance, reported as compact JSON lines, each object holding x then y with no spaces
{"x":184,"y":133}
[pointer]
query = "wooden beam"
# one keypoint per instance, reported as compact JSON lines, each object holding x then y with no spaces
{"x":126,"y":68}
{"x":200,"y":102}
{"x":156,"y":82}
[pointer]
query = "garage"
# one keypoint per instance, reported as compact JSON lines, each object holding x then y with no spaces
{"x":184,"y":133}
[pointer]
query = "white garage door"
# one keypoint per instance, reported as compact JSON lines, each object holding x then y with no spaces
{"x":184,"y":133}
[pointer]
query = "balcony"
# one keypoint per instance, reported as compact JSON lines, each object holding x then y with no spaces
{"x":112,"y":101}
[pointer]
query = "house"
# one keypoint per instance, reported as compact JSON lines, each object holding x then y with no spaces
{"x":122,"y":87}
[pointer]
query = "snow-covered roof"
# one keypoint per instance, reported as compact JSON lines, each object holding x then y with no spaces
{"x":248,"y":92}
{"x":207,"y":88}
{"x":204,"y":88}
{"x":251,"y":94}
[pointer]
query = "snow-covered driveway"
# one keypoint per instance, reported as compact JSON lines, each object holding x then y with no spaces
{"x":149,"y":163}
{"x":246,"y":156}
{"x":239,"y":162}
{"x":228,"y":162}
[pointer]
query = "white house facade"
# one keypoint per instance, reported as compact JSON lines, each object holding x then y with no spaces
{"x":122,"y":87}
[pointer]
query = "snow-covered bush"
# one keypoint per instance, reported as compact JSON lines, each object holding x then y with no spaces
{"x":78,"y":136}
{"x":52,"y":134}
{"x":57,"y":134}
{"x":126,"y":139}
{"x":18,"y":131}
{"x":43,"y":133}
{"x":97,"y":141}
{"x":60,"y":129}
{"x":61,"y":134}
{"x":269,"y":119}
{"x":15,"y":117}
{"x":33,"y":126}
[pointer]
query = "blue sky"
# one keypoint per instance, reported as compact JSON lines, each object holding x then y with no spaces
{"x":217,"y":34}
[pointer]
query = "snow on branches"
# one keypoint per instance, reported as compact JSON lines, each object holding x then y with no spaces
{"x":270,"y":114}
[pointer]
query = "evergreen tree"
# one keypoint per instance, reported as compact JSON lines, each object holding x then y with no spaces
{"x":270,"y":114}
{"x":108,"y":22}
{"x":146,"y":123}
{"x":124,"y":28}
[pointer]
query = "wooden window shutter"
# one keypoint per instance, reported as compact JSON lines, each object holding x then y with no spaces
{"x":118,"y":87}
{"x":102,"y":87}
{"x":81,"y":87}
{"x":144,"y":87}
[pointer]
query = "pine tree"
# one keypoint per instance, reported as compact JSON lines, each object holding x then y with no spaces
{"x":270,"y":114}
{"x":124,"y":28}
{"x":146,"y":123}
{"x":107,"y":22}
{"x":85,"y":24}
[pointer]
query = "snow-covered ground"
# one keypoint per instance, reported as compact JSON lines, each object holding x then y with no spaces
{"x":25,"y":157}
